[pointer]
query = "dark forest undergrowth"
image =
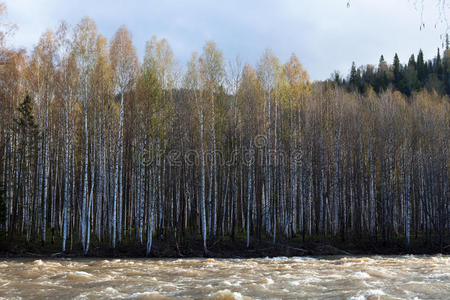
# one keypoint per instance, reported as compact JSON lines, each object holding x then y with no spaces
{"x":226,"y":247}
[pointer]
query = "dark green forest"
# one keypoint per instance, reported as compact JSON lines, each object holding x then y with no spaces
{"x":413,"y":76}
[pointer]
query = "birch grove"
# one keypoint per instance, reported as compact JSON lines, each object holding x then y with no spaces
{"x":99,"y":149}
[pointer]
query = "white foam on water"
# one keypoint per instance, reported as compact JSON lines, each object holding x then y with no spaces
{"x":111,"y":291}
{"x":361,"y":275}
{"x":439,"y":276}
{"x":331,"y":277}
{"x":37,"y":262}
{"x":226,"y":295}
{"x":276,"y":258}
{"x":294,"y":283}
{"x":81,"y":296}
{"x":288,"y":276}
{"x":416,"y":282}
{"x":304,"y":258}
{"x":381,"y":273}
{"x":105,"y":278}
{"x":47,"y":263}
{"x":375,"y":292}
{"x":311,"y":279}
{"x":357,"y":297}
{"x":79,"y":275}
{"x":306,"y":281}
{"x":368,"y":293}
{"x":148,"y":295}
{"x":47,"y":283}
{"x":228,"y":283}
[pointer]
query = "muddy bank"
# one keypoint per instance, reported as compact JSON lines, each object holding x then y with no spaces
{"x":221,"y":248}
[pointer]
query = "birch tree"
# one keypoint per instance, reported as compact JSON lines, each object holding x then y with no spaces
{"x":125,"y":65}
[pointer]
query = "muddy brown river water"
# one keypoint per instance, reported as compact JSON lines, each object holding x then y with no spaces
{"x":375,"y":277}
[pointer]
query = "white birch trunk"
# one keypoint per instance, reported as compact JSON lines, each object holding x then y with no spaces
{"x":202,"y":200}
{"x":249,"y":194}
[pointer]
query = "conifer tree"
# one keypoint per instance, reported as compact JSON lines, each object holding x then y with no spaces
{"x":28,"y":134}
{"x":446,"y":70}
{"x":397,"y":71}
{"x":410,"y":77}
{"x":420,"y":67}
{"x":354,"y":80}
{"x":438,"y":65}
{"x":382,"y":80}
{"x":25,"y":121}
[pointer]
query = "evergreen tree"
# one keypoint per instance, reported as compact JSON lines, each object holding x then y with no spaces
{"x":420,"y":67}
{"x":446,"y":70}
{"x":438,"y":65}
{"x":369,"y":77}
{"x":397,"y":72}
{"x":410,"y":83}
{"x":428,"y":68}
{"x":26,"y":124}
{"x":382,"y":80}
{"x":434,"y":75}
{"x":412,"y":61}
{"x":27,"y":132}
{"x":355,"y":78}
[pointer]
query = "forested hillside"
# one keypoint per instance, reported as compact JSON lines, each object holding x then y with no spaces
{"x":99,"y":148}
{"x":418,"y":74}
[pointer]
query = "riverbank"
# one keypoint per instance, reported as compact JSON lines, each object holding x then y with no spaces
{"x":223,"y":248}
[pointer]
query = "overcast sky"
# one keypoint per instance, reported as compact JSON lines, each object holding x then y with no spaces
{"x":325,"y":34}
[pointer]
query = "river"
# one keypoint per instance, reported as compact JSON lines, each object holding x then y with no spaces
{"x":374,"y":277}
